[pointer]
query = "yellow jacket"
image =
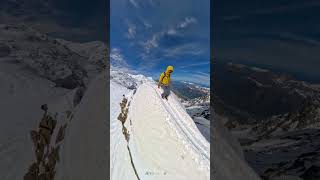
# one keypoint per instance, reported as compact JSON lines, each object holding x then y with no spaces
{"x":165,"y":76}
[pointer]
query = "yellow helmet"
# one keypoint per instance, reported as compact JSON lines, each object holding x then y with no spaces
{"x":169,"y":68}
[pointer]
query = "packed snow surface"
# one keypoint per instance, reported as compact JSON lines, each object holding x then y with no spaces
{"x":164,"y":141}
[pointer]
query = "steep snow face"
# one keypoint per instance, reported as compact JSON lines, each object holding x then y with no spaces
{"x":121,"y":83}
{"x":199,"y":110}
{"x":164,"y":142}
{"x":120,"y":166}
{"x":84,"y":153}
{"x":22,"y":93}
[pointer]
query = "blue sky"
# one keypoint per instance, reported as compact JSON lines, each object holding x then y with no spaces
{"x":148,"y":35}
{"x":279,"y":34}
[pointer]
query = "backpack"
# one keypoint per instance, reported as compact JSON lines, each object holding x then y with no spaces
{"x":164,"y":75}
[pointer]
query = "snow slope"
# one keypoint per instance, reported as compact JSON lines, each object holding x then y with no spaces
{"x":164,"y":141}
{"x":36,"y":69}
{"x":228,"y":161}
{"x":84,"y":152}
{"x":120,"y":166}
{"x":21,"y":93}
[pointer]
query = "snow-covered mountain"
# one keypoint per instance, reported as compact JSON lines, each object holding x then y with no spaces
{"x":64,"y":63}
{"x":275,"y":118}
{"x":84,"y":152}
{"x":95,"y":53}
{"x":163,"y":141}
{"x":152,"y":138}
{"x":188,"y":90}
{"x":199,"y":109}
{"x":196,"y":100}
{"x":36,"y":69}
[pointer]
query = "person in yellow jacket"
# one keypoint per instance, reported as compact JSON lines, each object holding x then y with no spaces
{"x":164,"y":82}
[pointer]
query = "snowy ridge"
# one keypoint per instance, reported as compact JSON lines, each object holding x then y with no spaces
{"x":164,"y":141}
{"x":188,"y":140}
{"x":119,"y":157}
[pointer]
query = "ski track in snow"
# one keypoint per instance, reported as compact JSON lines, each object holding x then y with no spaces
{"x":171,"y":106}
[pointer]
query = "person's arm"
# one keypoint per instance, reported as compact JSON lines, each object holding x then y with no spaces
{"x":160,"y":79}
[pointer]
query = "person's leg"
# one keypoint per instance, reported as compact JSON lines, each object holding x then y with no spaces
{"x":166,"y":92}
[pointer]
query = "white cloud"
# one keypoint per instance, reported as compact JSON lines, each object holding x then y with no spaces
{"x":195,"y":77}
{"x":202,"y":73}
{"x":134,"y":3}
{"x":117,"y":59}
{"x":187,"y":21}
{"x":151,"y":43}
{"x":189,"y":49}
{"x":200,"y":78}
{"x":147,"y":25}
{"x":172,"y":32}
{"x":196,"y":64}
{"x":131,"y":34}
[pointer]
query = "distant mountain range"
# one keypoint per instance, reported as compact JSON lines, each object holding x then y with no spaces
{"x":188,"y":90}
{"x":260,"y":93}
{"x":275,"y":117}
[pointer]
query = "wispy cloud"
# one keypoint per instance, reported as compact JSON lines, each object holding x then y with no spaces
{"x":131,"y":33}
{"x":202,"y":73}
{"x":184,"y":49}
{"x":153,"y":42}
{"x":172,"y":32}
{"x":196,"y":64}
{"x":117,"y":59}
{"x":162,"y":34}
{"x":187,"y":21}
{"x":195,"y":77}
{"x":200,"y":79}
{"x":134,"y":3}
{"x":147,"y":24}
